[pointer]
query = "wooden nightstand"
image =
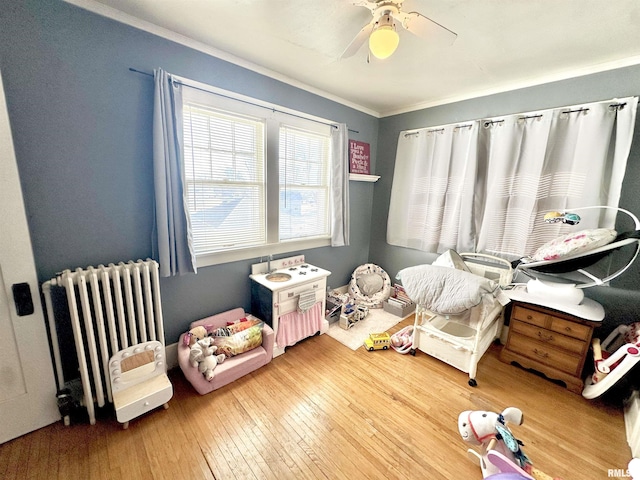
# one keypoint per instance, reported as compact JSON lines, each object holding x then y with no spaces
{"x":548,"y":341}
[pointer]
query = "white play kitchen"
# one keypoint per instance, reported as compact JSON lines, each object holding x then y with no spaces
{"x":289,"y":295}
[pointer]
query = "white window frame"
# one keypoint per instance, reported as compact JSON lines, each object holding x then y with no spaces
{"x":274,"y":116}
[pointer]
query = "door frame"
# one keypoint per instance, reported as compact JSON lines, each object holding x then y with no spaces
{"x":33,"y":403}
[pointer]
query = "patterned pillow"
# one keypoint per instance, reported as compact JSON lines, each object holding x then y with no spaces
{"x":574,"y":243}
{"x":239,"y":342}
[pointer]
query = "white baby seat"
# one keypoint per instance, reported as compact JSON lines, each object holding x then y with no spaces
{"x":459,"y":306}
{"x":139,"y":380}
{"x":624,"y":347}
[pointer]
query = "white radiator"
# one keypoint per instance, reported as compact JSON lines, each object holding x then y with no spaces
{"x":110,"y":309}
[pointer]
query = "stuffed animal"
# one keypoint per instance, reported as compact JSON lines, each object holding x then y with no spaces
{"x":485,"y":428}
{"x":209,"y":363}
{"x":200,"y":350}
{"x":195,"y":334}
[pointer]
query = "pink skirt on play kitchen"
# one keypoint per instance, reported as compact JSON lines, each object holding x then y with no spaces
{"x":295,"y":326}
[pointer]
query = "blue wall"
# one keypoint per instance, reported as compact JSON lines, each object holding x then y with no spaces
{"x":81,"y":125}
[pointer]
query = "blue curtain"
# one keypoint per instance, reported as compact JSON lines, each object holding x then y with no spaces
{"x":340,"y":186}
{"x":175,"y":252}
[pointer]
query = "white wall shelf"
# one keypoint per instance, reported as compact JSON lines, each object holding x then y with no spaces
{"x":359,"y":177}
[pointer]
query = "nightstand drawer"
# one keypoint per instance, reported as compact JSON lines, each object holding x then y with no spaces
{"x":530,"y":316}
{"x":544,"y":354}
{"x":572,"y":329}
{"x":549,"y":337}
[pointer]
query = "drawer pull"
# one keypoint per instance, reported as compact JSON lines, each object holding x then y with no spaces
{"x":529,"y":317}
{"x":540,"y":353}
{"x":290,"y":294}
{"x":545,"y":338}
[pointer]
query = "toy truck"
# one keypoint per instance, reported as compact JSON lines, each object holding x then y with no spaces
{"x":377,"y":341}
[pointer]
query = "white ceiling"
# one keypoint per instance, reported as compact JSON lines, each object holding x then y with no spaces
{"x":501,"y":44}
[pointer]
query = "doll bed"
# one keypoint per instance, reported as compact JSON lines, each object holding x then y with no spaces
{"x":369,"y":286}
{"x":459,"y":307}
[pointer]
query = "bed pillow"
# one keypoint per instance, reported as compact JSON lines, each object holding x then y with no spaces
{"x":574,"y":244}
{"x":236,"y":341}
{"x":370,"y":283}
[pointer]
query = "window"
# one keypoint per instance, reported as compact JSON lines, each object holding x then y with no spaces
{"x":257,"y":180}
{"x":224,"y":158}
{"x":304,"y":184}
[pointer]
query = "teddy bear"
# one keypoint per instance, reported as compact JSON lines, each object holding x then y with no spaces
{"x":209,"y":363}
{"x":484,"y":429}
{"x":200,"y":350}
{"x":195,"y":334}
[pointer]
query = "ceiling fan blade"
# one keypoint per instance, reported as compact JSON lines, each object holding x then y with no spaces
{"x":357,"y":42}
{"x":426,"y":28}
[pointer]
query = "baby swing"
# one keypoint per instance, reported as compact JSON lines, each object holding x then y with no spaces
{"x":568,"y":257}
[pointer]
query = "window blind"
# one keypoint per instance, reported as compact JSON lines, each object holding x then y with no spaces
{"x":224,"y":155}
{"x":304,"y":183}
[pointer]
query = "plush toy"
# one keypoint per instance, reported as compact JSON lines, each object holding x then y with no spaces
{"x":200,"y":350}
{"x":489,"y":430}
{"x":195,"y":334}
{"x":209,"y":363}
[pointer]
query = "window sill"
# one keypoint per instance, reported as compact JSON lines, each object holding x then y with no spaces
{"x":261,"y":251}
{"x":358,"y":177}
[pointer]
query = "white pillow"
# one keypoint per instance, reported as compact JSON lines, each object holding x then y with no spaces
{"x":574,"y":243}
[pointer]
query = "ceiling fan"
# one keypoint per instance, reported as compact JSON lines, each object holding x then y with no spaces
{"x":382,"y":34}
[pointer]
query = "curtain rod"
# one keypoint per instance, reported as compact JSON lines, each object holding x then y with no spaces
{"x":245,"y":101}
{"x":440,"y":130}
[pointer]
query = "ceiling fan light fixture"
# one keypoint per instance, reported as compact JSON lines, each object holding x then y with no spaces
{"x":383,"y":41}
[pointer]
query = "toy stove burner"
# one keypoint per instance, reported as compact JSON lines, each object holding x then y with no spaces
{"x":314,"y":269}
{"x":302,"y":273}
{"x":293,"y":269}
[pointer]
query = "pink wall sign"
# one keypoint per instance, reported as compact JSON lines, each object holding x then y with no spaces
{"x":359,"y":157}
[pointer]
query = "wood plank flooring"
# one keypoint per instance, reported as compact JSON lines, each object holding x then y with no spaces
{"x":324,"y":411}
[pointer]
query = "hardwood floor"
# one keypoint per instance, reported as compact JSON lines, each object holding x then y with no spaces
{"x":324,"y":411}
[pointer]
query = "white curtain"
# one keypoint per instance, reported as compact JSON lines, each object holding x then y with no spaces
{"x":551,"y":160}
{"x":432,"y":196}
{"x":486,"y":185}
{"x":173,"y":232}
{"x":340,"y":186}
